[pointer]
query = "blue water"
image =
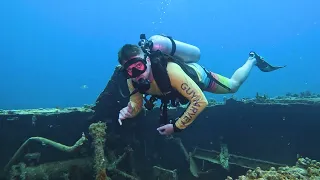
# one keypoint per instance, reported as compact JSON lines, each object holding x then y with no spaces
{"x":62,"y":53}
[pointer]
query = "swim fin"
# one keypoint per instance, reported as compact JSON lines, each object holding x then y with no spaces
{"x":263,"y":65}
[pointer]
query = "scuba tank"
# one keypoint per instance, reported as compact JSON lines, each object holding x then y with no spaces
{"x":183,"y":51}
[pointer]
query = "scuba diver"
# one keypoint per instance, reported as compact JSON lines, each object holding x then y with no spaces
{"x":167,"y":70}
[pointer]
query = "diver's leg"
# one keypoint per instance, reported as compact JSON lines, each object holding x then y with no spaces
{"x":223,"y":85}
{"x":241,"y":74}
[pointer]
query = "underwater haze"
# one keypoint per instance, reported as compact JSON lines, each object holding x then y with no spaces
{"x":62,"y":53}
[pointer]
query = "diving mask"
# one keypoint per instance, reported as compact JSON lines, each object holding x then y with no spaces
{"x":135,"y":67}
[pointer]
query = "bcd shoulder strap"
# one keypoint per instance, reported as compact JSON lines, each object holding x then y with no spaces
{"x":160,"y":74}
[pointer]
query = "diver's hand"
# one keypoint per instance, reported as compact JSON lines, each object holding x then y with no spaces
{"x":166,"y":129}
{"x":125,"y":113}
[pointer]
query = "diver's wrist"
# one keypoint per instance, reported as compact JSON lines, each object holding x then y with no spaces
{"x":175,"y":128}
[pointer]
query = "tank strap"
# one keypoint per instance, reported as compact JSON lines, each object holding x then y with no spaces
{"x":174,"y":46}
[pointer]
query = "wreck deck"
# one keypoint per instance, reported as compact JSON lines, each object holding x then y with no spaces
{"x":264,"y":129}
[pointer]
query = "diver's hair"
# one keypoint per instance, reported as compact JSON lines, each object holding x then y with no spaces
{"x":127,"y":51}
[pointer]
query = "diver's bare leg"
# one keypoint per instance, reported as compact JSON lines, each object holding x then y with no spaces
{"x":241,"y":74}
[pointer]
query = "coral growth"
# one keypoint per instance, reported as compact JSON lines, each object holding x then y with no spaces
{"x":305,"y":168}
{"x":48,"y":142}
{"x":102,"y":175}
{"x":98,"y":133}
